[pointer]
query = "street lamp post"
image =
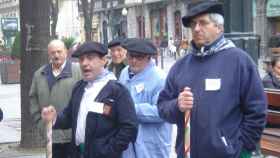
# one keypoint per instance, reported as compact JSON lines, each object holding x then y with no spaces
{"x":124,"y":23}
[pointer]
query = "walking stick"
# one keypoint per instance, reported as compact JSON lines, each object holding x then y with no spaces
{"x":187,"y":133}
{"x":49,"y":139}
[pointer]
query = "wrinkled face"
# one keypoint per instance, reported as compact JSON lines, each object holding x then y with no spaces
{"x":136,"y":62}
{"x":276,"y":68}
{"x":57,"y":54}
{"x":204,"y":31}
{"x":118,"y":54}
{"x":91,"y":65}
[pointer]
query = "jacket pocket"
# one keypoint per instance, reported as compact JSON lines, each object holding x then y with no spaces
{"x":102,"y":149}
{"x":230,"y":145}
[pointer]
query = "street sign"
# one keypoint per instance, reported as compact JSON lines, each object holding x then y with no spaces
{"x":9,"y":24}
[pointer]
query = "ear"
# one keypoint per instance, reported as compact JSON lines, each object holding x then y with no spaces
{"x":220,"y":28}
{"x":104,"y":59}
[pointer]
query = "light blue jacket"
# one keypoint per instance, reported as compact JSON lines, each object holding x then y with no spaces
{"x":154,"y":134}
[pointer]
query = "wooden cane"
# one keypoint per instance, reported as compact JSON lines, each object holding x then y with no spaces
{"x":49,"y":139}
{"x":187,"y":133}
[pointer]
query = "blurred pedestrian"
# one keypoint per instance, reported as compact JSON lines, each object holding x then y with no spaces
{"x":183,"y":47}
{"x":53,"y":84}
{"x":100,"y":111}
{"x":144,"y":81}
{"x":118,"y":57}
{"x":217,"y":87}
{"x":171,"y":47}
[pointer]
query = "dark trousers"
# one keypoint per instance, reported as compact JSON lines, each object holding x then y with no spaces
{"x":61,"y":150}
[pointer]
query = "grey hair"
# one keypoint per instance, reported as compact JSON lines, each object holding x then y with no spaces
{"x":218,"y":19}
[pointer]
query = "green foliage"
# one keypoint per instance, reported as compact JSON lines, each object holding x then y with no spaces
{"x":16,"y":50}
{"x":68,"y":41}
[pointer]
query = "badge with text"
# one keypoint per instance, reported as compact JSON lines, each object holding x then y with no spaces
{"x":212,"y":84}
{"x":97,"y":107}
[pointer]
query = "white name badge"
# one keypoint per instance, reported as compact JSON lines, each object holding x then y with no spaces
{"x":212,"y":84}
{"x":96,"y":107}
{"x":139,"y":87}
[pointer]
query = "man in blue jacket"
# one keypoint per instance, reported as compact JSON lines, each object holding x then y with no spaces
{"x":144,"y":81}
{"x":219,"y":85}
{"x":100,"y":112}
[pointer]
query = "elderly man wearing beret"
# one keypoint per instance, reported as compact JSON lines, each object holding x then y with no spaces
{"x":144,"y":81}
{"x":217,"y":87}
{"x":100,"y":112}
{"x":118,"y":54}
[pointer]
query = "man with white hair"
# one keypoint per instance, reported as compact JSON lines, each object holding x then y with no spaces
{"x":216,"y":87}
{"x":52,"y":84}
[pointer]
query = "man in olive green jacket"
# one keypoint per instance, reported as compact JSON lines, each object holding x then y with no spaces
{"x":52,"y":85}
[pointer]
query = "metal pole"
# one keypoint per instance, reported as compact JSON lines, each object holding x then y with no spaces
{"x":161,"y":57}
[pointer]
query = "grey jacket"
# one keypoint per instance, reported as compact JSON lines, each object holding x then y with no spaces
{"x":49,"y":90}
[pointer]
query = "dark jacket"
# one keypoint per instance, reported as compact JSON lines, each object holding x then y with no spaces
{"x":105,"y":136}
{"x":270,"y":81}
{"x":224,"y":120}
{"x":116,"y":68}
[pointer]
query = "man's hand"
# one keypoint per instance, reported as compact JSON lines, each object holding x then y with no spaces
{"x":185,"y":100}
{"x":48,"y":114}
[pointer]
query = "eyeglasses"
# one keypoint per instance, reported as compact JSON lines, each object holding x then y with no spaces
{"x":137,"y":57}
{"x":200,"y":23}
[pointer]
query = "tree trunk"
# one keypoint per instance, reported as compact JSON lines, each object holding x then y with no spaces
{"x":35,"y":29}
{"x":54,"y":17}
{"x":87,"y":7}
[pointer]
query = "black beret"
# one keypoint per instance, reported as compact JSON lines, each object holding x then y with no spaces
{"x":91,"y":47}
{"x":115,"y":42}
{"x":139,"y":46}
{"x":202,"y":7}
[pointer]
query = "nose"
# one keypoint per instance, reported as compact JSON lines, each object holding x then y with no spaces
{"x":133,"y":59}
{"x":84,"y":62}
{"x":196,"y":27}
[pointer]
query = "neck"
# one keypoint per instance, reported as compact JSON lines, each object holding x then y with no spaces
{"x":56,"y":66}
{"x":211,"y":43}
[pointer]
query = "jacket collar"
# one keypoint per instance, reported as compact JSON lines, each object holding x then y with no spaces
{"x":219,"y":44}
{"x":66,"y":72}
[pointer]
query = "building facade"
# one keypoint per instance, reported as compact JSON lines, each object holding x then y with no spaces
{"x":69,"y":21}
{"x":153,"y":19}
{"x":267,"y":25}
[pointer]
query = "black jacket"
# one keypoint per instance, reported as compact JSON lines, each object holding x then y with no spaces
{"x":105,"y":136}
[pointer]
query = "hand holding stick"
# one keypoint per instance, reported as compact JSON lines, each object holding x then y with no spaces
{"x":48,"y":115}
